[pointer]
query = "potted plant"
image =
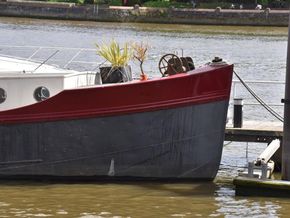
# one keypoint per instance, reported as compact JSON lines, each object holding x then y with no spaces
{"x":119,"y":71}
{"x":139,"y":54}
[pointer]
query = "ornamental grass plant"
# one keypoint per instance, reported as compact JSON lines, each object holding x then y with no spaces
{"x":113,"y":53}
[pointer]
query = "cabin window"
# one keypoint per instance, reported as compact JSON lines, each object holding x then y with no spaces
{"x":3,"y":95}
{"x":41,"y":93}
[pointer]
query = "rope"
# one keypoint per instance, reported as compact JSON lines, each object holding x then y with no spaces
{"x":267,"y":107}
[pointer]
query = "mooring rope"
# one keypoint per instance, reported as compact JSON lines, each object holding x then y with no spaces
{"x":267,"y":107}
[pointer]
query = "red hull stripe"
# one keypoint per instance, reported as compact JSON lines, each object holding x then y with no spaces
{"x":207,"y":84}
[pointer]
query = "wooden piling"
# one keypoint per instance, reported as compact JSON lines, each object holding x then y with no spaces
{"x":286,"y":128}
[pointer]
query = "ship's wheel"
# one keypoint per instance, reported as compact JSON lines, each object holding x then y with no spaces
{"x":170,"y":64}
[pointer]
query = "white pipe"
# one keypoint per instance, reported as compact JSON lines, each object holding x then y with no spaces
{"x":269,"y":151}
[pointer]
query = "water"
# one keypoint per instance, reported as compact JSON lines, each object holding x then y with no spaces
{"x":258,"y":53}
{"x":127,"y":200}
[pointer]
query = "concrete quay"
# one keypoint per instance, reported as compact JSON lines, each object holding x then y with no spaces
{"x":104,"y":13}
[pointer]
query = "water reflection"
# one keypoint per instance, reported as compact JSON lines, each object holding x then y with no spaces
{"x":231,"y":206}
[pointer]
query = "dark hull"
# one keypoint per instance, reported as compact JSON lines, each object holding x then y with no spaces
{"x":178,"y":143}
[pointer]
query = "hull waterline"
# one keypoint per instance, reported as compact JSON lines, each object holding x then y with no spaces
{"x":162,"y":144}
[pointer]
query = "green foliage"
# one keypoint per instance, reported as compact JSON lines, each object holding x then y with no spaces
{"x":135,"y":2}
{"x":89,"y":2}
{"x":263,"y":2}
{"x":116,"y":55}
{"x":166,"y":4}
{"x":68,"y":1}
{"x":215,"y":5}
{"x":115,"y":2}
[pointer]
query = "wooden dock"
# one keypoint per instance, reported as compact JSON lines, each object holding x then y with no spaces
{"x":264,"y":132}
{"x":246,"y":186}
{"x":253,"y":131}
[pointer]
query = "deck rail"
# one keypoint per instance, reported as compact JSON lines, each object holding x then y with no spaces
{"x":235,"y":91}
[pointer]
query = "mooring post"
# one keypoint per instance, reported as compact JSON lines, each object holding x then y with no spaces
{"x":286,"y":128}
{"x":251,"y":169}
{"x":238,"y":113}
{"x":264,"y":169}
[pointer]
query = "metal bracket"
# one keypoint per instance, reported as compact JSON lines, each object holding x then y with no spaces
{"x":286,"y":101}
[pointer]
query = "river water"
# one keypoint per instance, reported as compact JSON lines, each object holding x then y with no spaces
{"x":259,"y":53}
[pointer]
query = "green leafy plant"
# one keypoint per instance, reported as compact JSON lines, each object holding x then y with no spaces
{"x":89,"y":2}
{"x":116,"y":55}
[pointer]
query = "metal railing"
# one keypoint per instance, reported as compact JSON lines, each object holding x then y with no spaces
{"x":259,"y":105}
{"x":35,"y":50}
{"x":254,"y":82}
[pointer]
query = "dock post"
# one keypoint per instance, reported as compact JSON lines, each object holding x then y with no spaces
{"x":238,"y":113}
{"x":251,"y":169}
{"x":264,"y":169}
{"x":286,"y":128}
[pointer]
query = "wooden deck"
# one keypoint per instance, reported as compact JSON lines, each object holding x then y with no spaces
{"x":253,"y":131}
{"x":246,"y":186}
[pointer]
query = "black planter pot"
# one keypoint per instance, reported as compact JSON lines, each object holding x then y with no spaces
{"x":116,"y":75}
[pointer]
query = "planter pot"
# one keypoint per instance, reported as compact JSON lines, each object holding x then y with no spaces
{"x":143,"y":77}
{"x":116,"y":75}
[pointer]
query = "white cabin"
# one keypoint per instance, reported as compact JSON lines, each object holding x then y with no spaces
{"x":25,"y":82}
